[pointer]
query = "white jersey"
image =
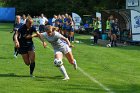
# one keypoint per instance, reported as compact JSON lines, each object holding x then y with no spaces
{"x":57,"y":43}
{"x":43,"y":20}
{"x":53,"y":21}
{"x":55,"y":40}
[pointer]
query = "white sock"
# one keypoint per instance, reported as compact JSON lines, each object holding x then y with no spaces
{"x":63,"y":70}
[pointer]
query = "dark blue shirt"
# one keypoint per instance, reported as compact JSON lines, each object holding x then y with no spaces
{"x":23,"y":32}
{"x":17,"y":26}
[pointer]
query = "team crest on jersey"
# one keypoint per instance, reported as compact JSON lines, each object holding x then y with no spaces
{"x":137,"y":21}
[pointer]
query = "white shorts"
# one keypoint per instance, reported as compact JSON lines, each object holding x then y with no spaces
{"x":65,"y":49}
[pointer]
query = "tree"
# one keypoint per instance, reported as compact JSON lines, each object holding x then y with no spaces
{"x":50,"y":7}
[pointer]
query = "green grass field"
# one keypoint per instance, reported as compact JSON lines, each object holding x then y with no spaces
{"x":100,"y":69}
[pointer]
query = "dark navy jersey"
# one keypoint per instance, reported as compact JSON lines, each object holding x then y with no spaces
{"x":23,"y":32}
{"x":60,"y":20}
{"x":68,"y":27}
{"x":17,"y":25}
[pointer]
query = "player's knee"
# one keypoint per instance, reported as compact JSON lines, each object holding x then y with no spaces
{"x":27,"y":63}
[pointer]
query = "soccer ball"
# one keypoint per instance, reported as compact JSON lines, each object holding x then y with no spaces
{"x":77,"y":41}
{"x":58,"y":62}
{"x":108,"y":45}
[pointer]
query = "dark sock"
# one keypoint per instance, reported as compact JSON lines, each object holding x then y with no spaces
{"x":112,"y":42}
{"x":15,"y":49}
{"x":32,"y":66}
{"x":95,"y":39}
{"x":73,"y":38}
{"x":115,"y":42}
{"x":17,"y":53}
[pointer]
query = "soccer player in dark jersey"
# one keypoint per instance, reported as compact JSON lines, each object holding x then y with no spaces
{"x":17,"y":25}
{"x":114,"y":31}
{"x":25,"y":43}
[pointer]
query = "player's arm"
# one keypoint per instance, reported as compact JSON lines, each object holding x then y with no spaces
{"x":41,"y":38}
{"x":31,"y":36}
{"x":68,"y":42}
{"x":16,"y":40}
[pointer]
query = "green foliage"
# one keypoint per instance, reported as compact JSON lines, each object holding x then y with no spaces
{"x":50,"y":7}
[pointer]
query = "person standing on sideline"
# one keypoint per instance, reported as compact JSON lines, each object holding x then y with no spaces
{"x":96,"y":30}
{"x":23,"y":19}
{"x":108,"y":28}
{"x":113,"y":31}
{"x":42,"y":21}
{"x":25,"y":44}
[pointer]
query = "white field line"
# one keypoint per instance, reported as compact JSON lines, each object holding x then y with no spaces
{"x":89,"y":76}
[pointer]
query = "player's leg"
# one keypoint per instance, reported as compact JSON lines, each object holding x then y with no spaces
{"x":72,"y":35}
{"x":112,"y":40}
{"x":26,"y":59}
{"x":32,"y":61}
{"x":15,"y":49}
{"x":115,"y":40}
{"x":15,"y":52}
{"x":59,"y":55}
{"x":71,"y":59}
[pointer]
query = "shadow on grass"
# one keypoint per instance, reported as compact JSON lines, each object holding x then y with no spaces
{"x":129,"y":47}
{"x":7,"y":58}
{"x":13,"y":75}
{"x":122,"y":47}
{"x":25,"y":76}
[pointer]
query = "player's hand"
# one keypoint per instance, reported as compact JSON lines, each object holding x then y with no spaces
{"x":17,"y":45}
{"x":71,"y":46}
{"x":44,"y":44}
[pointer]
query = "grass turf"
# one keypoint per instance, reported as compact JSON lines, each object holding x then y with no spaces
{"x":115,"y":68}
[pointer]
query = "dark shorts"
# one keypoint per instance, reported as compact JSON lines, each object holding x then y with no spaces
{"x":72,"y":29}
{"x":68,"y":30}
{"x":63,"y":28}
{"x":42,"y":28}
{"x":25,"y":49}
{"x":114,"y":32}
{"x":107,"y":30}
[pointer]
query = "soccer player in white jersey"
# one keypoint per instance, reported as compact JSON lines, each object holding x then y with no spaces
{"x":61,"y":45}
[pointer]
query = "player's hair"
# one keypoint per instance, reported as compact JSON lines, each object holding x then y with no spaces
{"x":29,"y":18}
{"x":47,"y":27}
{"x":17,"y":16}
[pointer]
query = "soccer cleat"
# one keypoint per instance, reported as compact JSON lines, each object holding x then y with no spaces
{"x":75,"y":64}
{"x":66,"y":78}
{"x":15,"y":56}
{"x":32,"y":76}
